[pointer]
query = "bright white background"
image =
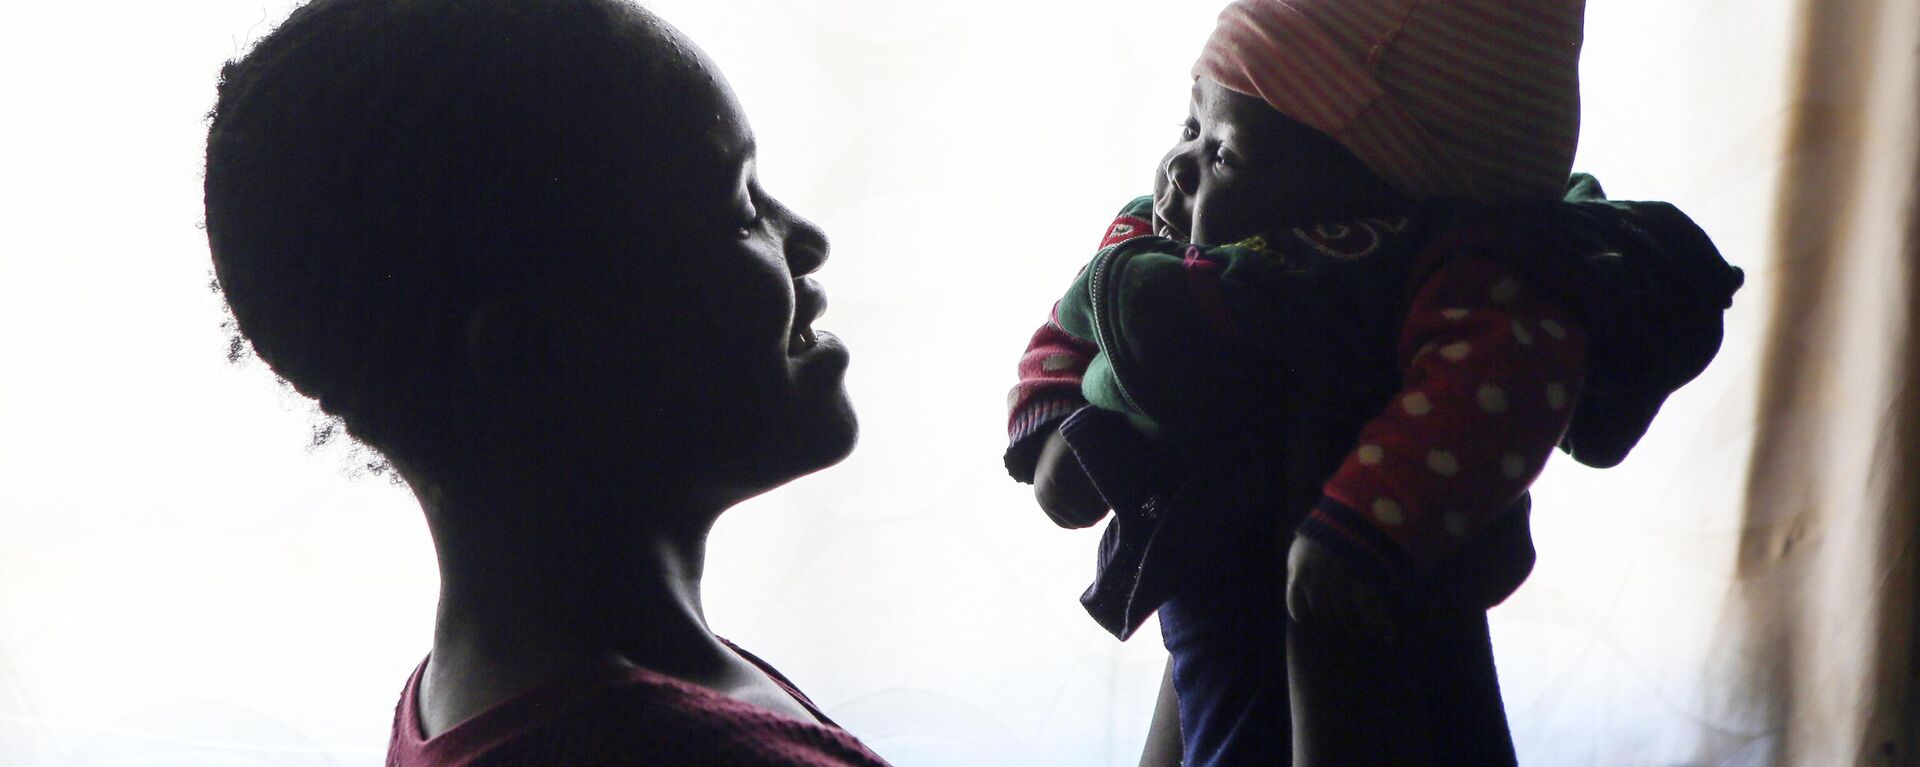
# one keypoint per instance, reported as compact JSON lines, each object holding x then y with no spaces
{"x":182,"y":582}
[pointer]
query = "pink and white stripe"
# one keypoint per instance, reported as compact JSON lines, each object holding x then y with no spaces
{"x":1467,"y":98}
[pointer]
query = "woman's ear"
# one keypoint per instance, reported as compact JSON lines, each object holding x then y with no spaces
{"x":508,"y":351}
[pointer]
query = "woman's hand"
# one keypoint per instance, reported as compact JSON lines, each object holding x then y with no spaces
{"x":1062,"y":487}
{"x":1323,"y":591}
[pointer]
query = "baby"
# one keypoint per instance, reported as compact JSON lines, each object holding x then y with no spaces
{"x":1354,"y":319}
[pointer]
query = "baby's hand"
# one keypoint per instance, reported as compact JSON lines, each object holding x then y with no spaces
{"x":1062,"y":487}
{"x":1325,"y":592}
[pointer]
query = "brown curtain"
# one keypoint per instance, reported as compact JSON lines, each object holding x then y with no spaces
{"x":1827,"y":572}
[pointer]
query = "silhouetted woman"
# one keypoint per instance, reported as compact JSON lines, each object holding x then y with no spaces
{"x":521,"y":250}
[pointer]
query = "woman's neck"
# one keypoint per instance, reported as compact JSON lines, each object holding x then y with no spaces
{"x":531,"y":592}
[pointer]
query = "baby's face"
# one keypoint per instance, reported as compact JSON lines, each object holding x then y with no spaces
{"x":1242,"y":168}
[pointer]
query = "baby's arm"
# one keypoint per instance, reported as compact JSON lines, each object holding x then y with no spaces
{"x":1050,"y":375}
{"x":1048,"y":391}
{"x":1490,"y":369}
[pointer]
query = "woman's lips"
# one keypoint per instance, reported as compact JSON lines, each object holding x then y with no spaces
{"x":801,"y":341}
{"x":822,"y":363}
{"x":809,"y":302}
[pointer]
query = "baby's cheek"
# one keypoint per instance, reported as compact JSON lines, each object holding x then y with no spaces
{"x":1215,"y":222}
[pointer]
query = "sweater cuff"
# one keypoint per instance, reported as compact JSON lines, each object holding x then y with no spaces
{"x":1028,"y":430}
{"x":1127,"y":468}
{"x":1346,"y":532}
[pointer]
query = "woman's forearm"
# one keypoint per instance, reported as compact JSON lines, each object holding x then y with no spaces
{"x":1163,"y":737}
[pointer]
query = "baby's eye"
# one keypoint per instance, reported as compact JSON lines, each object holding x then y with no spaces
{"x":1189,"y":131}
{"x":1222,"y":156}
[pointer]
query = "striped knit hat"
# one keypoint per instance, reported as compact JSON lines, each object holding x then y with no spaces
{"x":1467,"y":98}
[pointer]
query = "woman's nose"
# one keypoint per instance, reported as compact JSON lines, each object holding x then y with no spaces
{"x":1180,"y":172}
{"x":806,"y":246}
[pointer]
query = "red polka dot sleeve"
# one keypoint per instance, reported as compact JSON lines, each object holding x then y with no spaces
{"x":1490,"y":368}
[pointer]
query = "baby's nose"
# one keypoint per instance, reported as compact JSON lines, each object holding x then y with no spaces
{"x":1180,"y":172}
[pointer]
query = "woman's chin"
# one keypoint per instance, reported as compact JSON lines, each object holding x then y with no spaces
{"x":827,"y":428}
{"x":834,"y":430}
{"x":846,"y":432}
{"x":822,"y":436}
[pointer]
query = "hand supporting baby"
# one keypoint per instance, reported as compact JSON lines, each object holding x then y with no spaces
{"x":1325,"y":592}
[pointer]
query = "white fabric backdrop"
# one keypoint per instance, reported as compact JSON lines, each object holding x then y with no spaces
{"x":183,"y":583}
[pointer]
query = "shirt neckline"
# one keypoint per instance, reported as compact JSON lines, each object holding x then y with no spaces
{"x":541,"y":703}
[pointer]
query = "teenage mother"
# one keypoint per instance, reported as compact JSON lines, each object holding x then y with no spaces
{"x":520,"y":249}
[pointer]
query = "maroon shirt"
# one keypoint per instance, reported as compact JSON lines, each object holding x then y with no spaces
{"x":637,"y":717}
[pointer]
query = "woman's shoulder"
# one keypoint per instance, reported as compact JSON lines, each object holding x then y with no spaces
{"x":650,"y":719}
{"x":636,"y":717}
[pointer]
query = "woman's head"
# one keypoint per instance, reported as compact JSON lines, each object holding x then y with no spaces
{"x":485,"y":231}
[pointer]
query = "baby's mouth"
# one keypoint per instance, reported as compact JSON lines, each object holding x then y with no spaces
{"x":1163,"y":228}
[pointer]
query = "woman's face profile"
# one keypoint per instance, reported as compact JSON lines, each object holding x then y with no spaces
{"x":686,"y":340}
